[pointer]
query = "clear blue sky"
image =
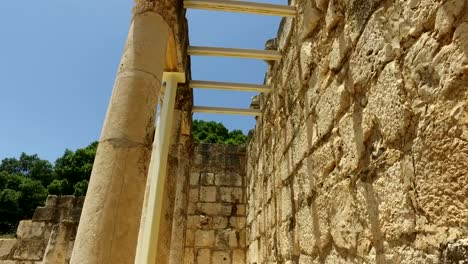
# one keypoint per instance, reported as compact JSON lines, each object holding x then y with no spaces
{"x":59,"y":59}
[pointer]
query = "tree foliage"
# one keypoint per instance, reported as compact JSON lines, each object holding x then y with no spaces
{"x":213,"y":132}
{"x":26,"y":181}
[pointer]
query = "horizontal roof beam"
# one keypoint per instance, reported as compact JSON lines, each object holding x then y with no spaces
{"x":242,"y":7}
{"x":243,"y":87}
{"x":234,"y":53}
{"x":226,"y":111}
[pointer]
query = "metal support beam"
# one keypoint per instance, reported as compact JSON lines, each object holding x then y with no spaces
{"x":152,"y":207}
{"x":242,"y":7}
{"x":244,"y":87}
{"x":226,"y":111}
{"x":235,"y":53}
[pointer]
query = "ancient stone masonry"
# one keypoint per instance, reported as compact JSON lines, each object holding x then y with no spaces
{"x":47,"y":238}
{"x":216,"y":206}
{"x":361,"y":153}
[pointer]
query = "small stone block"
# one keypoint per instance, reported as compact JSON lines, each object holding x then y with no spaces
{"x":66,"y":201}
{"x":194,"y":178}
{"x":204,"y":238}
{"x":207,"y":179}
{"x":51,"y":200}
{"x":189,"y":256}
{"x":32,"y":229}
{"x":209,"y":208}
{"x":193,"y":195}
{"x":240,"y":209}
{"x":193,"y":221}
{"x":30,"y":249}
{"x":228,"y":179}
{"x":44,"y":214}
{"x":226,"y":239}
{"x":220,"y":257}
{"x":226,"y":209}
{"x":5,"y":246}
{"x":237,"y":222}
{"x":190,"y":238}
{"x":208,"y":194}
{"x":238,"y":256}
{"x":219,"y":222}
{"x":203,"y":256}
{"x":231,"y":195}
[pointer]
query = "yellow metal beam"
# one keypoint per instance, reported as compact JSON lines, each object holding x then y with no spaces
{"x":235,"y":53}
{"x":227,"y":111}
{"x":242,"y":7}
{"x":244,"y":87}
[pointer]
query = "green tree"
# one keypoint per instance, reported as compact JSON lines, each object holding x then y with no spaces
{"x":74,"y":167}
{"x":30,"y":166}
{"x":19,"y":196}
{"x":25,"y":182}
{"x":213,"y":132}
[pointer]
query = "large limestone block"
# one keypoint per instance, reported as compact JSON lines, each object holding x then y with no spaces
{"x":33,"y":229}
{"x":387,"y":105}
{"x":345,"y":225}
{"x":372,"y":51}
{"x":451,"y":64}
{"x":204,"y":238}
{"x":388,"y":198}
{"x":330,"y":106}
{"x":351,"y":143}
{"x":447,"y":15}
{"x":6,"y":245}
{"x":30,"y":249}
{"x":440,"y":171}
{"x":310,"y":19}
{"x":419,"y":73}
{"x":312,"y":227}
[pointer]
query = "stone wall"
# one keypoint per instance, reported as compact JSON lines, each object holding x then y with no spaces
{"x":216,"y":206}
{"x":48,"y":237}
{"x":361,"y":153}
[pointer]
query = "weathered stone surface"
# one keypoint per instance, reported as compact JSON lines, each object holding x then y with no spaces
{"x":203,"y":256}
{"x":204,"y":238}
{"x":208,"y":194}
{"x":363,"y":159}
{"x":6,"y":245}
{"x":216,"y":222}
{"x":221,"y":257}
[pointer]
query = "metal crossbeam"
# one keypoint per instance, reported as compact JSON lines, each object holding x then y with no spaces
{"x":227,"y":111}
{"x":235,"y":53}
{"x":242,"y":7}
{"x":244,"y":87}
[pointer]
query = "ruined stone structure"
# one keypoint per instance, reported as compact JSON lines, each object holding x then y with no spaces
{"x":48,"y":237}
{"x":359,"y":155}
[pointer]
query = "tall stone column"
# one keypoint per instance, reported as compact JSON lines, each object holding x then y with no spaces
{"x":109,"y":224}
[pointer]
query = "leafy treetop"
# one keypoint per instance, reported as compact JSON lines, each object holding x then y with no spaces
{"x":213,"y":132}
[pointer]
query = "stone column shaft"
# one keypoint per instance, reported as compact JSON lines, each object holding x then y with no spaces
{"x":109,"y":224}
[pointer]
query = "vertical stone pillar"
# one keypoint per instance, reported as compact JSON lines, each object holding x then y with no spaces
{"x":108,"y":228}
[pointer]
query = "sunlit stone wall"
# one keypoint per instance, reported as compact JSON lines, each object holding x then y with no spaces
{"x":361,"y":153}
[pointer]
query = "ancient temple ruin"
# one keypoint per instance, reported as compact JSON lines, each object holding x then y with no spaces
{"x":359,"y":155}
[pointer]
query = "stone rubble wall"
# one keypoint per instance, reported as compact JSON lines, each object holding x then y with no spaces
{"x":47,"y":238}
{"x":361,"y":155}
{"x":216,"y":212}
